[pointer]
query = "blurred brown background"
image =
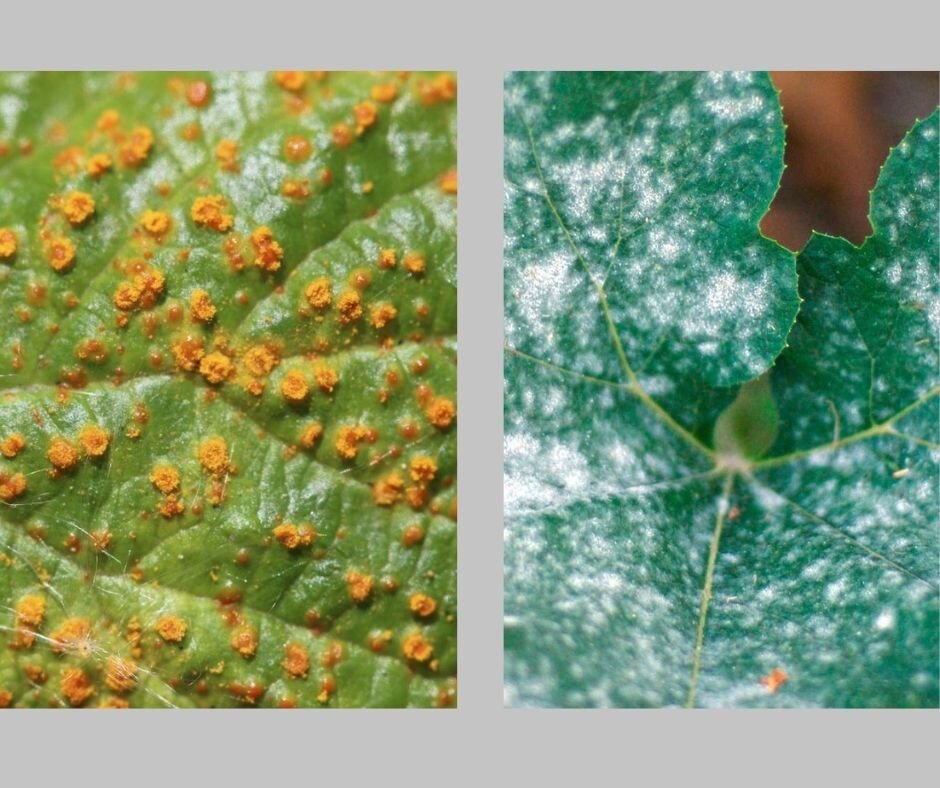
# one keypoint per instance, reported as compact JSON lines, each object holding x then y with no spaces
{"x":840,"y":125}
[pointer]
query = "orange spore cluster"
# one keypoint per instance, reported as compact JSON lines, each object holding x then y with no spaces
{"x":188,"y":352}
{"x":78,"y":207}
{"x":244,"y":640}
{"x":382,"y":314}
{"x":165,"y":478}
{"x":171,"y":628}
{"x":11,"y":486}
{"x":414,"y":263}
{"x":293,"y":536}
{"x":422,"y":605}
{"x":136,"y":148}
{"x":365,"y":114}
{"x":62,"y":454}
{"x":388,"y":490}
{"x":774,"y":680}
{"x":416,"y":648}
{"x":327,"y":378}
{"x":98,"y":165}
{"x":441,"y":412}
{"x":216,"y":368}
{"x":213,"y":456}
{"x":60,"y":253}
{"x":226,"y":153}
{"x":294,"y":81}
{"x":73,"y":635}
{"x":441,"y":89}
{"x":294,"y":387}
{"x":201,"y":308}
{"x":349,"y":306}
{"x":311,"y":434}
{"x":210,"y":211}
{"x":75,"y":686}
{"x":423,"y":468}
{"x":296,"y":660}
{"x":94,"y":440}
{"x":259,"y":360}
{"x":448,"y":182}
{"x":384,"y":92}
{"x":347,"y":441}
{"x":120,"y":674}
{"x":318,"y":293}
{"x":155,"y":223}
{"x":359,"y":586}
{"x":7,"y":243}
{"x":268,"y":252}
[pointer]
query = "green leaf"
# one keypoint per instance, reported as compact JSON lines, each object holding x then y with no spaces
{"x":279,"y":475}
{"x":663,"y":545}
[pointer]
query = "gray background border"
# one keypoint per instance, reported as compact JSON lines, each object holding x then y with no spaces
{"x":480,"y":739}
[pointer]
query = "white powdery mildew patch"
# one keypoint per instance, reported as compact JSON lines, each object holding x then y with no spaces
{"x":260,"y":169}
{"x":11,"y":106}
{"x":139,"y":193}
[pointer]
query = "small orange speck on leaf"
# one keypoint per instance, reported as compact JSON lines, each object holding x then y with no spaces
{"x":414,"y":263}
{"x":294,"y":81}
{"x":416,"y":648}
{"x":342,"y":135}
{"x":60,"y":253}
{"x":165,"y":478}
{"x":365,"y":115}
{"x":774,"y":680}
{"x":244,"y":640}
{"x":448,"y":182}
{"x":12,"y":445}
{"x":422,"y":605}
{"x":326,"y":377}
{"x":268,"y":252}
{"x":7,"y":243}
{"x":77,"y":207}
{"x":349,"y":306}
{"x":296,"y":660}
{"x":198,"y":93}
{"x":210,"y":212}
{"x":98,"y":165}
{"x":155,"y":223}
{"x":319,"y":293}
{"x":294,"y":536}
{"x":216,"y":368}
{"x":297,"y":148}
{"x":441,"y":412}
{"x":384,"y":92}
{"x":226,"y":153}
{"x":62,"y":454}
{"x":171,"y":628}
{"x":294,"y":387}
{"x":413,"y":534}
{"x":75,"y":686}
{"x":359,"y":586}
{"x":201,"y":307}
{"x":94,"y":440}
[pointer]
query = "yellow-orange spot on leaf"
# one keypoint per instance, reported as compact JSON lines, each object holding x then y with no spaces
{"x":416,"y":648}
{"x":297,"y":148}
{"x":342,"y":135}
{"x":442,"y":88}
{"x":448,"y":182}
{"x":61,"y":253}
{"x":171,"y":628}
{"x":297,"y":189}
{"x":294,"y":387}
{"x":12,"y":445}
{"x":326,"y":378}
{"x":120,"y":674}
{"x":100,"y":540}
{"x":165,"y":478}
{"x":296,"y":660}
{"x":244,"y":640}
{"x":441,"y":412}
{"x":414,"y":263}
{"x":188,"y":352}
{"x":226,"y":153}
{"x":94,"y":440}
{"x":136,"y":148}
{"x":293,"y":536}
{"x":108,"y":120}
{"x":62,"y":454}
{"x":774,"y":680}
{"x":416,"y":496}
{"x":413,"y":534}
{"x":30,"y":611}
{"x":75,"y":686}
{"x":216,"y":368}
{"x":259,"y":360}
{"x":201,"y":307}
{"x":383,"y":314}
{"x":77,"y":207}
{"x":359,"y":586}
{"x":365,"y":115}
{"x":98,"y":165}
{"x":422,"y":605}
{"x":198,"y":93}
{"x":155,"y":223}
{"x":210,"y":212}
{"x":385,"y":92}
{"x":171,"y":506}
{"x":422,"y":468}
{"x":73,"y":636}
{"x":349,"y":306}
{"x":387,"y":259}
{"x":7,"y":243}
{"x":268,"y":252}
{"x":294,"y":81}
{"x":318,"y":293}
{"x":388,"y":490}
{"x":11,"y":486}
{"x":213,"y":455}
{"x":310,"y":435}
{"x":347,"y":441}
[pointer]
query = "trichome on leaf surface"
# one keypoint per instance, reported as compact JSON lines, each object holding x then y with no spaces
{"x":721,"y":481}
{"x":227,"y":389}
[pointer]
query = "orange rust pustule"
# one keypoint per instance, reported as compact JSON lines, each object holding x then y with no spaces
{"x":359,"y":586}
{"x":210,"y":212}
{"x":416,"y":647}
{"x":293,"y":537}
{"x":171,"y":628}
{"x":94,"y":440}
{"x":268,"y":252}
{"x":62,"y":454}
{"x":296,"y":660}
